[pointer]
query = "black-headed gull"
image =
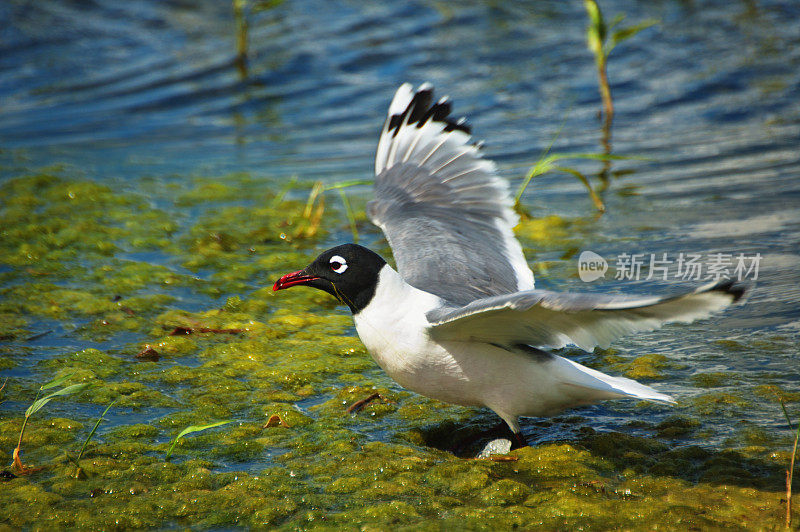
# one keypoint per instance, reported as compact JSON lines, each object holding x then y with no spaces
{"x":460,"y":320}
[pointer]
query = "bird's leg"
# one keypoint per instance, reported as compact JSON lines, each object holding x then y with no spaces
{"x":519,"y":441}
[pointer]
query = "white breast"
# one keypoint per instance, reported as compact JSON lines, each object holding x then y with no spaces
{"x":393,"y":328}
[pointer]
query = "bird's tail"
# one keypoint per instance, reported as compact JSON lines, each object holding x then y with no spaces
{"x":597,"y":386}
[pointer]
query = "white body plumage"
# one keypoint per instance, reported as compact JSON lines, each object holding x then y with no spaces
{"x":512,"y":383}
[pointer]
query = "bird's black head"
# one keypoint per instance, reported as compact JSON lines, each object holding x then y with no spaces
{"x":348,"y":272}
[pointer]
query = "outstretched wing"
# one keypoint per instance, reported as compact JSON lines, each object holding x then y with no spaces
{"x":446,"y":214}
{"x":542,"y":318}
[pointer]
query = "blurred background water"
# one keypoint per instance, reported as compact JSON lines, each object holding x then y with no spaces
{"x":709,"y":97}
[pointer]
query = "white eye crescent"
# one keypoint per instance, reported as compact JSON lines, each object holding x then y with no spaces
{"x":338,"y":264}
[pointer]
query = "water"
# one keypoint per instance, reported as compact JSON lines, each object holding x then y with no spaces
{"x":145,"y":93}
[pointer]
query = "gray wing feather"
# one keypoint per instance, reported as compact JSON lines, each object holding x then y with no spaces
{"x":446,"y":214}
{"x":550,"y":319}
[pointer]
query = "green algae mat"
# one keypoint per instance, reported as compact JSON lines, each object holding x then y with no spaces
{"x":156,"y":297}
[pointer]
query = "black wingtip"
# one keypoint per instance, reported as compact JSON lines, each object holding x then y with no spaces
{"x":732,"y":287}
{"x":422,"y":107}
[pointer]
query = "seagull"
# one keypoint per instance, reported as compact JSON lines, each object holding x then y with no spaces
{"x":460,"y":320}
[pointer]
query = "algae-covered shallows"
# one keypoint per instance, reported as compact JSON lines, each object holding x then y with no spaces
{"x":294,"y":360}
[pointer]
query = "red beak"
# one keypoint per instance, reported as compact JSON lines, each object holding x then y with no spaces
{"x":293,"y":279}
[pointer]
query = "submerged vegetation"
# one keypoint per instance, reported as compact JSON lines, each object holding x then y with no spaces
{"x":110,"y":274}
{"x":38,"y":404}
{"x":790,"y":469}
{"x":550,"y":162}
{"x":94,"y":429}
{"x":190,"y":430}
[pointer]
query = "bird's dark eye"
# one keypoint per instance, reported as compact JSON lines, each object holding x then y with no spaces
{"x":338,"y":264}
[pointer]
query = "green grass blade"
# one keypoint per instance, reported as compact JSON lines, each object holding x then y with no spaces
{"x":597,"y":26}
{"x":790,"y":469}
{"x":538,"y":168}
{"x":547,"y":164}
{"x":542,"y":166}
{"x":283,"y":191}
{"x":797,"y":434}
{"x":39,"y":403}
{"x":351,"y":183}
{"x":596,"y":157}
{"x":598,"y":203}
{"x":619,"y":17}
{"x":190,"y":429}
{"x":316,"y":190}
{"x":628,"y":32}
{"x":786,"y":413}
{"x":351,"y":217}
{"x":56,"y":382}
{"x":94,"y":429}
